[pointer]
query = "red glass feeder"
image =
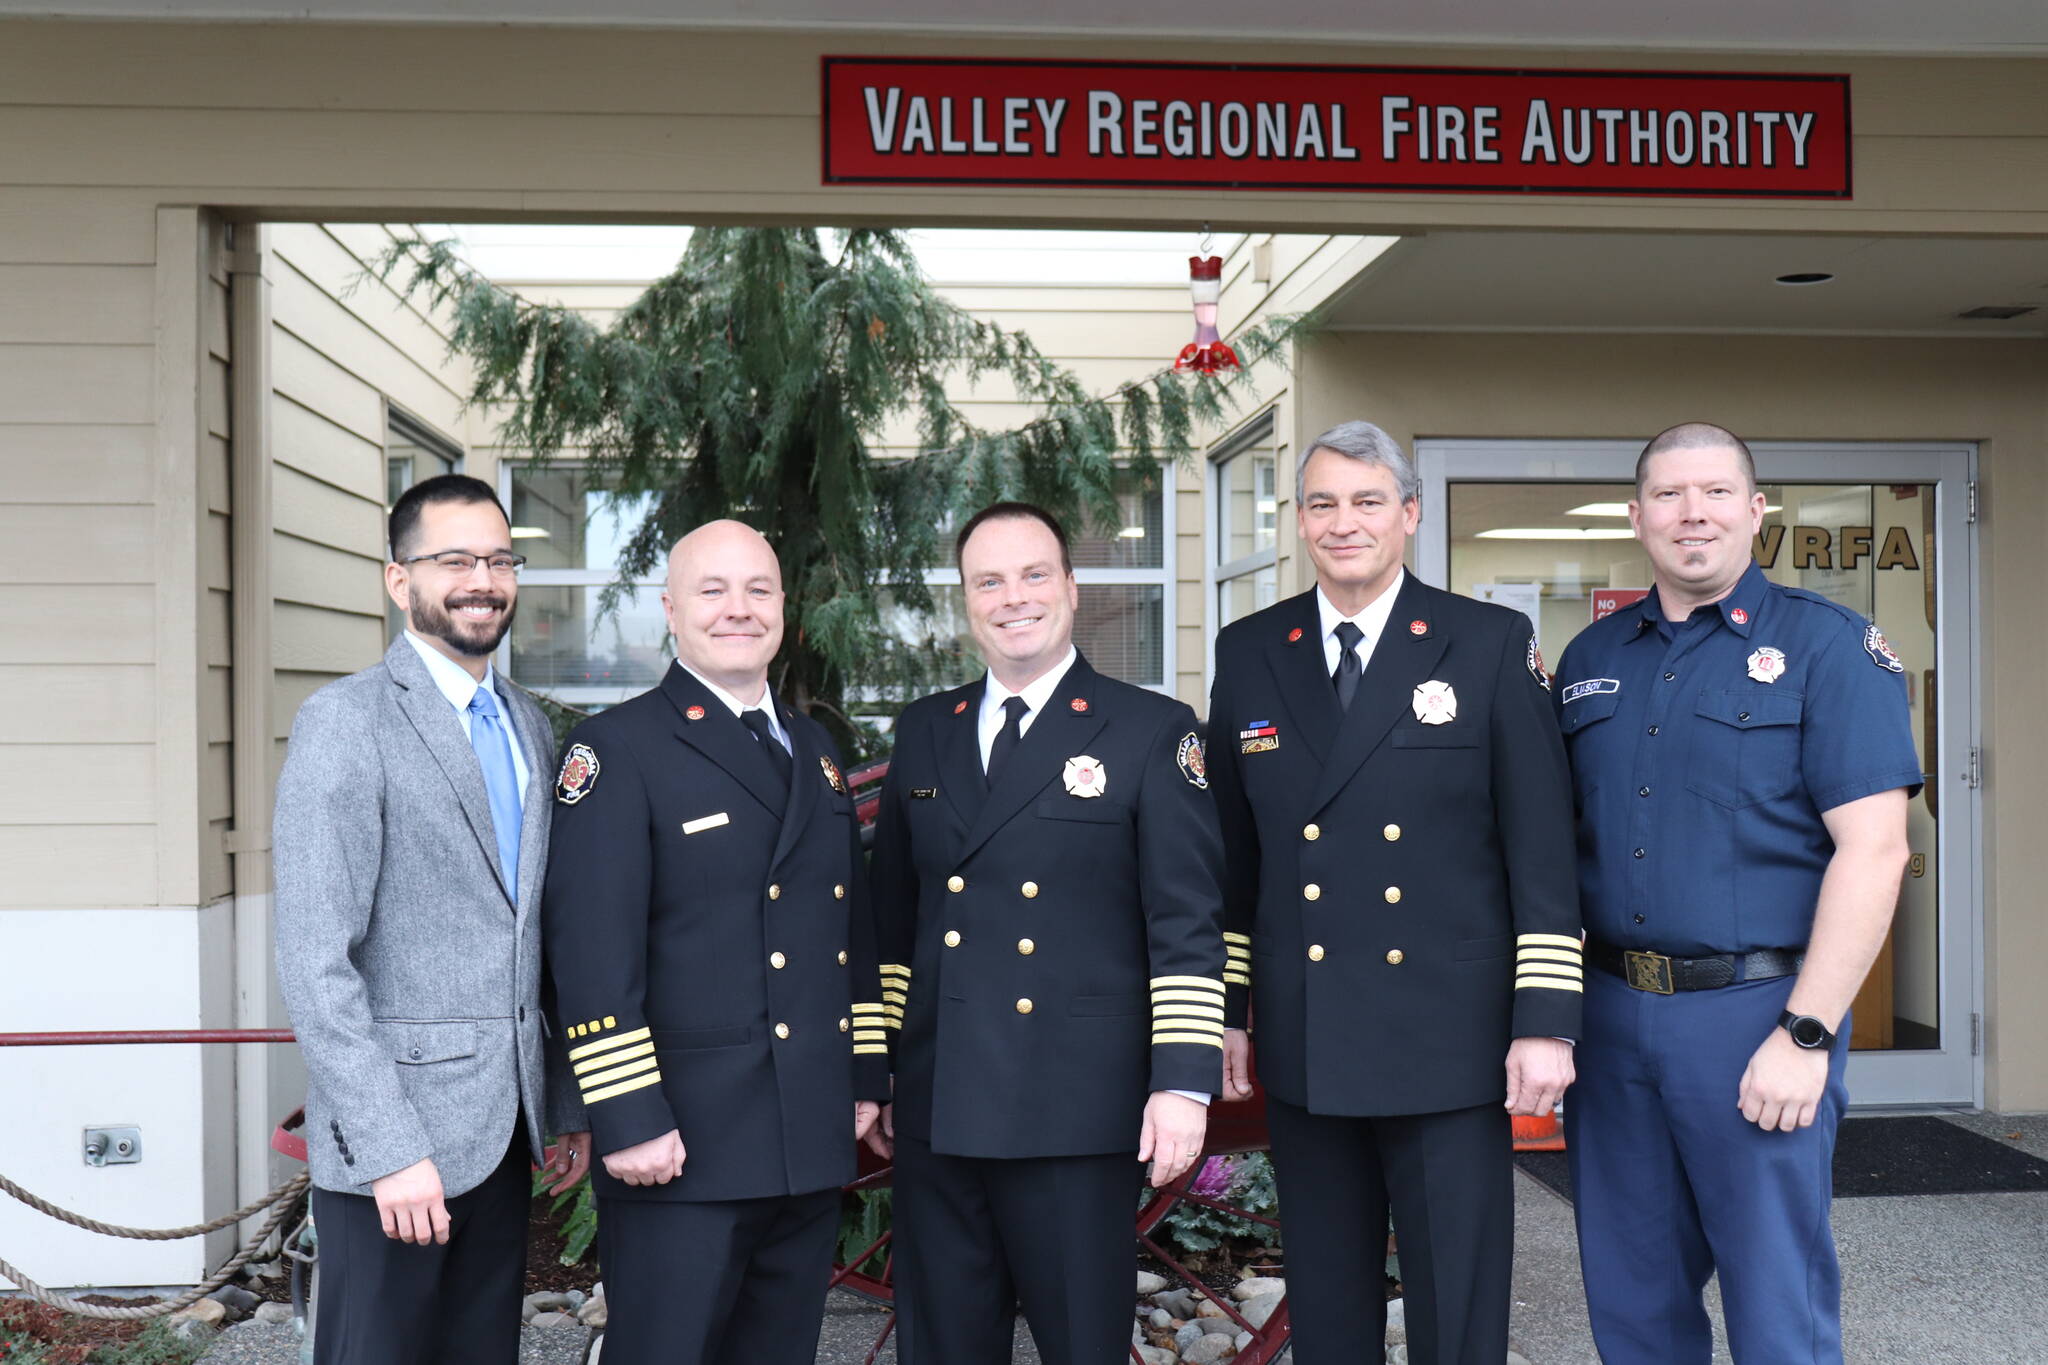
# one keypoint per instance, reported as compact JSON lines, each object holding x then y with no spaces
{"x":1208,"y":353}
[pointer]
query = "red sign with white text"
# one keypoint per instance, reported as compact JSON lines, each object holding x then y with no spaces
{"x":1607,"y":601}
{"x":1210,"y":125}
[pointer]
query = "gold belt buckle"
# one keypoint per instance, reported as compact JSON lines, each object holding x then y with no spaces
{"x":1648,"y":971}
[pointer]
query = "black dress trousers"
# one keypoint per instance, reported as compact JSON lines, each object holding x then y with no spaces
{"x":387,"y":1302}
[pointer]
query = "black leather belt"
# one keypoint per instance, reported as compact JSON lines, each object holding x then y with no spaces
{"x":1662,"y":975}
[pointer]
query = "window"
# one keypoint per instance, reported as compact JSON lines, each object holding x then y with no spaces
{"x":412,"y":452}
{"x":1244,"y":540}
{"x":1124,"y":623}
{"x":565,"y":523}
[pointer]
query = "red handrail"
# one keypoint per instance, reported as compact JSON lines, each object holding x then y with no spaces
{"x":194,"y":1035}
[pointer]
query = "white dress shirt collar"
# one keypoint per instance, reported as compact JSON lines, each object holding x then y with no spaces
{"x":740,"y":708}
{"x":1371,"y":621}
{"x":1035,"y":693}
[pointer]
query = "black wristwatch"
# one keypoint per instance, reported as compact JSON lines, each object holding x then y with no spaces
{"x":1807,"y":1031}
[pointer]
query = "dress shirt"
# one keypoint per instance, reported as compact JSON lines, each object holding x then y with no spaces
{"x":1035,"y":694}
{"x":1372,"y":622}
{"x":458,"y":687}
{"x":740,"y":708}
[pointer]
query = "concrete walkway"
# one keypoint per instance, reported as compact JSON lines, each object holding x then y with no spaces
{"x":1927,"y":1279}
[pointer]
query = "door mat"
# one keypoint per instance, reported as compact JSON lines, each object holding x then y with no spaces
{"x":1915,"y":1154}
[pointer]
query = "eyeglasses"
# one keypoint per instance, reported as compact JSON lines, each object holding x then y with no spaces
{"x":459,"y":562}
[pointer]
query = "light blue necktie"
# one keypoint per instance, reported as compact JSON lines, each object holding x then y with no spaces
{"x":493,"y":744}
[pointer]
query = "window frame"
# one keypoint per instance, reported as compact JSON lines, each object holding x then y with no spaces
{"x":1261,"y":429}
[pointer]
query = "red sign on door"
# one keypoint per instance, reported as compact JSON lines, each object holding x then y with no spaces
{"x":1206,"y":125}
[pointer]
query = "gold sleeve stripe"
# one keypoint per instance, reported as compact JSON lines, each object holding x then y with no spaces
{"x":1236,"y":979}
{"x":1205,"y":997}
{"x":607,"y":1044}
{"x":870,"y":1050}
{"x":1548,"y":955}
{"x":1205,"y":983}
{"x":1194,"y":1011}
{"x":597,"y":1079}
{"x":1199,"y":1039}
{"x":1230,"y":938}
{"x":1550,"y":969}
{"x":867,"y":1007}
{"x":1548,"y":983}
{"x":896,"y":969}
{"x":623,"y":1087}
{"x":1548,"y":941}
{"x":613,"y":1058}
{"x":1236,"y":950}
{"x":1175,"y":1023}
{"x":870,"y":1035}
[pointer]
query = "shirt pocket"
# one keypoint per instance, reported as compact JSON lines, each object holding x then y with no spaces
{"x":1588,"y":710}
{"x":1745,"y":747}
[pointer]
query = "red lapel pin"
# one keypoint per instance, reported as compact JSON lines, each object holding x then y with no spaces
{"x":1739,"y":617}
{"x":1418,"y":627}
{"x":958,"y":707}
{"x":1080,"y":705}
{"x":695,"y":713}
{"x":1294,"y":635}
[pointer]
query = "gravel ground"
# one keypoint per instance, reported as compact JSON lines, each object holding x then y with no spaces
{"x":851,"y":1325}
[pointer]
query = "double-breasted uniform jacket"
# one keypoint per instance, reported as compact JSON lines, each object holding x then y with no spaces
{"x":712,"y":946}
{"x":1052,"y":948}
{"x":1399,"y":888}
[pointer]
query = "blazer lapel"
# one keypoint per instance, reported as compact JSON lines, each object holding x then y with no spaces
{"x":958,"y":741}
{"x":539,"y":742}
{"x":805,"y":777}
{"x":440,"y":730}
{"x":1296,"y":656}
{"x":1061,"y":731}
{"x":1401,"y":659}
{"x":718,"y":735}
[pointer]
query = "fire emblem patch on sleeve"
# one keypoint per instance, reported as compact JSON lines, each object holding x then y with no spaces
{"x":1189,"y":756}
{"x":578,"y":775}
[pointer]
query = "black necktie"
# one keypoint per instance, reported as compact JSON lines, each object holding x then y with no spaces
{"x":1008,"y":737}
{"x":757,"y":721}
{"x":1348,"y":667}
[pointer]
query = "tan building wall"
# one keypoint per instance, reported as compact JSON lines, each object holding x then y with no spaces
{"x":1424,"y":385}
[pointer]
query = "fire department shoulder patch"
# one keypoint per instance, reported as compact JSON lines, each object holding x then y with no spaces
{"x":578,"y":775}
{"x":1189,"y":756}
{"x":1880,"y":652}
{"x":1535,"y":662}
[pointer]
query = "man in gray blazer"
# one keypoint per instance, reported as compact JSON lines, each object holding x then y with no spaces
{"x":412,"y":833}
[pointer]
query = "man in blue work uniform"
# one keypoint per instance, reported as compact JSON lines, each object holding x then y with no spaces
{"x":1741,"y":763}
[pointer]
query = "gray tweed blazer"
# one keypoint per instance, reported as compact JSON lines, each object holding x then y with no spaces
{"x":413,"y":980}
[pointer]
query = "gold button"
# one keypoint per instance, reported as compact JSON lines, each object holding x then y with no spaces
{"x":1393,"y":895}
{"x":1315,"y":952}
{"x":1030,"y":890}
{"x":1311,"y":892}
{"x":782,"y":1030}
{"x":838,"y":893}
{"x":1311,"y":832}
{"x":842,"y":957}
{"x":845,"y":1024}
{"x":777,"y":961}
{"x":1026,"y":947}
{"x":952,"y":938}
{"x":774,"y":892}
{"x":1394,"y":957}
{"x":955,"y":883}
{"x":1391,"y":833}
{"x":1023,"y":1007}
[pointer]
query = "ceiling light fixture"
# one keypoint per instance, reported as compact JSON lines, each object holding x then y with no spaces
{"x":1806,"y":277}
{"x":1999,"y":312}
{"x":1557,"y":533}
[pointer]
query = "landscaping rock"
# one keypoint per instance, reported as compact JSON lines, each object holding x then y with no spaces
{"x":1258,"y":1286}
{"x":547,"y":1301}
{"x":190,"y":1329}
{"x":1256,"y":1311}
{"x":593,"y":1313}
{"x":1157,"y":1355}
{"x":1148,"y":1283}
{"x":1186,"y":1337}
{"x":239,"y":1302}
{"x":210,"y":1312}
{"x":1162,"y":1319}
{"x":1178,"y":1302}
{"x":1209,"y":1350}
{"x":274,"y":1314}
{"x":1209,"y":1308}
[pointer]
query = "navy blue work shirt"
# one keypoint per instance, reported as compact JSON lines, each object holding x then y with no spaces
{"x":1703,"y":753}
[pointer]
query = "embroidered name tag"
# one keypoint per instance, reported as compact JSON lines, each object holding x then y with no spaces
{"x":704,"y":822}
{"x":1591,"y":687}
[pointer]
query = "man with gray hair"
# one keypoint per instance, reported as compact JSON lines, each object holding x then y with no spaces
{"x":1400,"y":909}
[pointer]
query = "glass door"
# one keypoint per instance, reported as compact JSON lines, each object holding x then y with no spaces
{"x":1884,"y":530}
